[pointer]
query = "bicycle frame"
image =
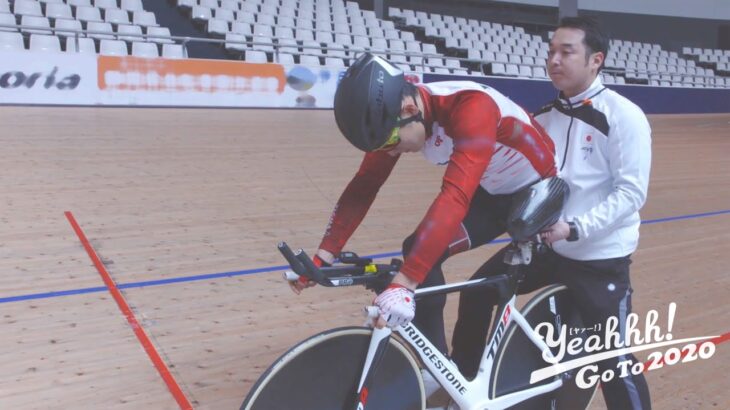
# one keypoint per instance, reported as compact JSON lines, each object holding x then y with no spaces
{"x":469,"y":394}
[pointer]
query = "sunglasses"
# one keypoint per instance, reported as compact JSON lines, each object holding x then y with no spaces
{"x":394,"y":138}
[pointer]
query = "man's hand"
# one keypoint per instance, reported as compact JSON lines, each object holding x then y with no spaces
{"x":559,"y":231}
{"x":321,"y":258}
{"x":397,"y":304}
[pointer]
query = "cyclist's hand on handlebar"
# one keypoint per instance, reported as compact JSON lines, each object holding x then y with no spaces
{"x":297,"y":286}
{"x":396,"y":305}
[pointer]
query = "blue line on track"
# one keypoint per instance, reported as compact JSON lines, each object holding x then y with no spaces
{"x":194,"y":278}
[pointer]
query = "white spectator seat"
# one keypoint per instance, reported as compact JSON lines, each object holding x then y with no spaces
{"x":4,"y":6}
{"x":201,"y":13}
{"x":264,"y":43}
{"x":240,"y":27}
{"x":187,"y":5}
{"x":58,"y":11}
{"x":27,"y":8}
{"x":285,"y":21}
{"x":284,"y":58}
{"x":512,"y":70}
{"x":474,"y":55}
{"x":11,"y":41}
{"x":173,"y":51}
{"x":224,"y":14}
{"x":246,"y":17}
{"x":304,"y":35}
{"x":288,"y":45}
{"x":498,"y":69}
{"x":217,"y":27}
{"x":128,"y":32}
{"x":256,"y":56}
{"x":284,"y":32}
{"x":105,"y":4}
{"x":515,"y":59}
{"x":7,"y":19}
{"x":429,"y":48}
{"x":361,"y":42}
{"x":452,"y":63}
{"x":263,"y":30}
{"x":309,"y":60}
{"x":312,"y":47}
{"x":211,"y":4}
{"x":144,"y":18}
{"x":343,"y":39}
{"x":236,"y":42}
{"x":525,"y":71}
{"x":379,"y":44}
{"x":87,"y":13}
{"x":132,"y":5}
{"x":100,"y":30}
{"x":358,"y":30}
{"x":44,"y":43}
{"x":539,"y":72}
{"x":34,"y":21}
{"x":335,"y":63}
{"x":266,"y":19}
{"x":79,"y":3}
{"x":324,"y":37}
{"x":252,"y":7}
{"x":80,"y":45}
{"x":304,"y":24}
{"x":113,"y":48}
{"x":147,"y":50}
{"x":67,"y":28}
{"x":116,"y":16}
{"x":159,"y":31}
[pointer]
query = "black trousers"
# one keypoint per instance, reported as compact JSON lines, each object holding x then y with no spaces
{"x":600,"y":288}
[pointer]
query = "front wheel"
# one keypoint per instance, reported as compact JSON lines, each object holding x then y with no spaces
{"x":323,"y":373}
{"x":518,"y":357}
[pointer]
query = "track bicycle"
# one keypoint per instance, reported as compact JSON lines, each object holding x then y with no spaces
{"x":365,"y":368}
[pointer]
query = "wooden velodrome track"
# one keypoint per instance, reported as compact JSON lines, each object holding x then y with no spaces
{"x":168,"y":196}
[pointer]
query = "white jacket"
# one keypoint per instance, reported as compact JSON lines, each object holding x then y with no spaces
{"x":603,"y":151}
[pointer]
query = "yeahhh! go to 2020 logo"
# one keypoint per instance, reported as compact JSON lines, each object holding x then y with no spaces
{"x":616,"y":339}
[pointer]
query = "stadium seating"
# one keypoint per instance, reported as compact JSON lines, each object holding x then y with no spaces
{"x":55,"y":25}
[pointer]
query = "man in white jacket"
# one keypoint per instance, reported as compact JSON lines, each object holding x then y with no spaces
{"x":603,"y":149}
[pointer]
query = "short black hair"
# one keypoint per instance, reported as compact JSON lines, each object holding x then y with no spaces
{"x":595,"y":38}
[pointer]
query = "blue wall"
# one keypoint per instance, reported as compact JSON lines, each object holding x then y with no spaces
{"x":532,"y":94}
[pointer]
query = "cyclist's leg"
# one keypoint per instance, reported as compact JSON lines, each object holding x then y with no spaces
{"x":475,"y":308}
{"x":602,"y":289}
{"x":484,"y":222}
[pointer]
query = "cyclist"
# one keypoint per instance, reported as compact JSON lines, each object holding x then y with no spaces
{"x":490,"y":147}
{"x":605,"y":144}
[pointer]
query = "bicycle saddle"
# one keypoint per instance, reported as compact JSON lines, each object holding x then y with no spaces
{"x":536,"y":207}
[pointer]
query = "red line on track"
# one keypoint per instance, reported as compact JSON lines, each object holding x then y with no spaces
{"x":172,"y":385}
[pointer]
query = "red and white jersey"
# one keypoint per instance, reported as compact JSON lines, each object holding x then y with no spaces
{"x":516,"y":161}
{"x":482,"y":138}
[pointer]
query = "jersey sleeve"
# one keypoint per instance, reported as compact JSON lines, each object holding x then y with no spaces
{"x":356,"y":199}
{"x":473,"y":127}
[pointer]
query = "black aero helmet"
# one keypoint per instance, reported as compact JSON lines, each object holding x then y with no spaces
{"x":368,"y":102}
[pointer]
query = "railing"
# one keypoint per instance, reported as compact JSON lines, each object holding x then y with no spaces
{"x":278,"y":48}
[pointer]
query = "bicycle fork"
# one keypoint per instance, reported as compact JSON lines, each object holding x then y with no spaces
{"x":376,"y":352}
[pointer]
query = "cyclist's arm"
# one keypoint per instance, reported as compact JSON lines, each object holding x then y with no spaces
{"x":355,"y":201}
{"x":474,"y":131}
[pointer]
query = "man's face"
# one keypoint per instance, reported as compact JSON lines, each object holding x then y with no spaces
{"x":412,"y":135}
{"x":569,"y":68}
